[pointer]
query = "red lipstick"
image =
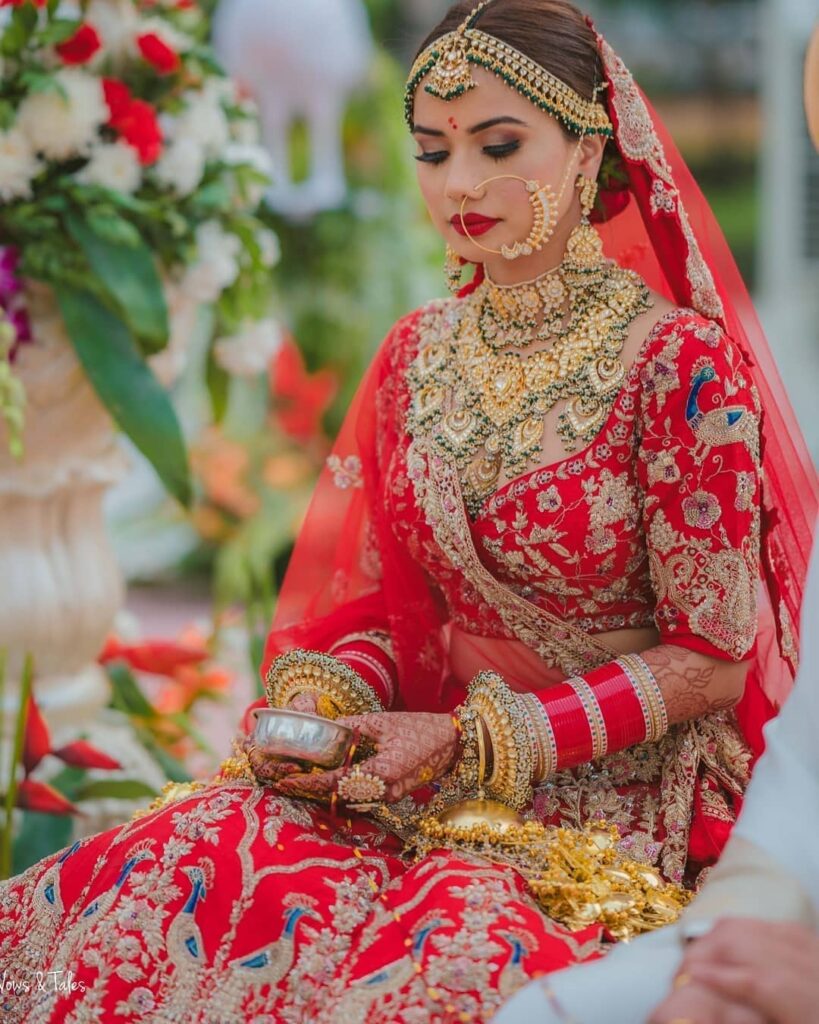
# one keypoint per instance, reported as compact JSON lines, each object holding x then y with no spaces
{"x":476,"y":223}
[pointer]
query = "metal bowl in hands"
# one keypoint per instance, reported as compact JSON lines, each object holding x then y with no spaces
{"x":293,"y":735}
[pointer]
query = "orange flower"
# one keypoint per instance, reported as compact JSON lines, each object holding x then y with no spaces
{"x":301,"y":398}
{"x":221,"y":465}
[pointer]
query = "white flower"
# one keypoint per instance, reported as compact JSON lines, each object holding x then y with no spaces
{"x":61,"y":126}
{"x":181,"y":166}
{"x":116,"y":22}
{"x":170,"y":36}
{"x":269,"y":245}
{"x":254,"y":156}
{"x":250,"y":350}
{"x":113,"y":165}
{"x":18,"y":165}
{"x":204,"y":121}
{"x":238,"y":154}
{"x":217,"y":266}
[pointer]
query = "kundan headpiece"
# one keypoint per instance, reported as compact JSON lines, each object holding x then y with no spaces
{"x":446,"y":64}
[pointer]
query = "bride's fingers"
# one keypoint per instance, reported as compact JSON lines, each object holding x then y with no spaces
{"x":371,"y":726}
{"x":304,"y":702}
{"x":315,"y":784}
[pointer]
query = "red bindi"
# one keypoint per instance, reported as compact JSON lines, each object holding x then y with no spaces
{"x":453,"y":123}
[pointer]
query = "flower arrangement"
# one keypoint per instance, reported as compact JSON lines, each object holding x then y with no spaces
{"x":130,"y":172}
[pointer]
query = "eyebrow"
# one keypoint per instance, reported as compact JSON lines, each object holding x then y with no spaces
{"x":418,"y":129}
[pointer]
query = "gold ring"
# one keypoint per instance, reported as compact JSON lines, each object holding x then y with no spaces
{"x":681,"y":981}
{"x":360,"y":787}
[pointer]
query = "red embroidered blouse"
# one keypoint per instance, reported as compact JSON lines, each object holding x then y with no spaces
{"x":656,"y":522}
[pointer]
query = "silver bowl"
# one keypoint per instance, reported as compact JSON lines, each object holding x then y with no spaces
{"x":293,"y":735}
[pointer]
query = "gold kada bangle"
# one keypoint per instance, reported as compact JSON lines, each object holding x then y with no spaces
{"x":505,"y":717}
{"x":302,"y":670}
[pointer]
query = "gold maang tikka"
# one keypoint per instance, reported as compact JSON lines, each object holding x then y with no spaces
{"x":445,"y":67}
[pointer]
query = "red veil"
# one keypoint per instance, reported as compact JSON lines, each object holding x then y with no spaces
{"x":348,"y":572}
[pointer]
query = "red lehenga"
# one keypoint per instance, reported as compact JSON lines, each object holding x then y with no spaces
{"x":233,"y":904}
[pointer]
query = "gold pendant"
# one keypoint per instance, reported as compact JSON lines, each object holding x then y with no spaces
{"x":526,"y":436}
{"x":482,"y":474}
{"x":428,"y":400}
{"x":503,"y":389}
{"x":606,"y":374}
{"x":458,"y":426}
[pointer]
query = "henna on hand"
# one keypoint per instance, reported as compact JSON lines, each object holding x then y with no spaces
{"x":413,"y":749}
{"x":694,"y":684}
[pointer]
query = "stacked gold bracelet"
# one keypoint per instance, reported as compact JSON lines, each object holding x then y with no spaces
{"x":340,"y":687}
{"x":507,"y":724}
{"x":648,"y":693}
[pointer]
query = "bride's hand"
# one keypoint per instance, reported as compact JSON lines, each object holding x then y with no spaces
{"x":268,"y":770}
{"x":412,"y":749}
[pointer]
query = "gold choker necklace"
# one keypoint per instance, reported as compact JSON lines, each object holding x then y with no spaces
{"x":484,"y":403}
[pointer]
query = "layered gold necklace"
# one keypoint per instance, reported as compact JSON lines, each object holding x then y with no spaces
{"x":483,"y":401}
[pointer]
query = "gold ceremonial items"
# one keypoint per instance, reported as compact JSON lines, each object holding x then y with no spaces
{"x":480,"y":811}
{"x":292,"y":735}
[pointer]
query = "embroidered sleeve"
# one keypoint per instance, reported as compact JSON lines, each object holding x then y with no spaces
{"x":699,"y":470}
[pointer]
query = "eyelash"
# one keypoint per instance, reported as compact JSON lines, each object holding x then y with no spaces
{"x":499,"y":152}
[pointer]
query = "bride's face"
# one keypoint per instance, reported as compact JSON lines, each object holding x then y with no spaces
{"x":487,"y":131}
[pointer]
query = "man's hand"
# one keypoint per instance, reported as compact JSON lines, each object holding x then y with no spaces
{"x":759,"y":972}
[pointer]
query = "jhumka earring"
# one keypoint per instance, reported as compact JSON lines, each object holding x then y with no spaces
{"x":584,"y":248}
{"x":453,"y":267}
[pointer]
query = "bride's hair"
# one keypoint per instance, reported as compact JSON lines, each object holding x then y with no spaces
{"x":552,"y":32}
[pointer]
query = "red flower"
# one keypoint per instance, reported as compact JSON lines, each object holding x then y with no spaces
{"x":158,"y":657}
{"x":39,"y":796}
{"x":301,"y":398}
{"x":140,"y":129}
{"x":81,"y":754}
{"x":118,"y":98}
{"x":158,"y":53}
{"x":134,"y":120}
{"x":81,"y":47}
{"x":36,"y":739}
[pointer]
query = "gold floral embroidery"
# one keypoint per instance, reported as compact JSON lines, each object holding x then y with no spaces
{"x":639,"y":142}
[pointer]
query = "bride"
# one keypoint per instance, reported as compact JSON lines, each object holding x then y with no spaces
{"x":542,"y":566}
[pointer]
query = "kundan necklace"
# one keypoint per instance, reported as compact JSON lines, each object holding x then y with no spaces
{"x":484,"y":403}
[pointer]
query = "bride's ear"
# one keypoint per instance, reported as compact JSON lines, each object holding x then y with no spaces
{"x":591,"y":155}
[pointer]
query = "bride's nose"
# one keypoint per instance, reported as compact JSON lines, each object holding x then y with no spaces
{"x":461,"y":183}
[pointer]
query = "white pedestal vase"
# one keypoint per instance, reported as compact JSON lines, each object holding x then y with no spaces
{"x":60,"y":586}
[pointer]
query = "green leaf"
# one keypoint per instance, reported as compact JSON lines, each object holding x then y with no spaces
{"x":110,"y":227}
{"x":218,"y":382}
{"x":171,"y":766}
{"x":129,"y":274}
{"x":39,"y":836}
{"x":119,"y":789}
{"x":126,"y":695}
{"x":126,"y":386}
{"x":57,"y":31}
{"x":6,"y":115}
{"x":35,"y":80}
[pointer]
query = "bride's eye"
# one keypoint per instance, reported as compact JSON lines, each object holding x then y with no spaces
{"x":436,"y":157}
{"x":502,"y":150}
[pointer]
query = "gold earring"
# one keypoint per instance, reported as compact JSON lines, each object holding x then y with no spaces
{"x":584,"y":249}
{"x":588,"y":194}
{"x":453,"y":267}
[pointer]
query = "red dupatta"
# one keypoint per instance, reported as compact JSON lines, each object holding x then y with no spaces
{"x":348,"y":572}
